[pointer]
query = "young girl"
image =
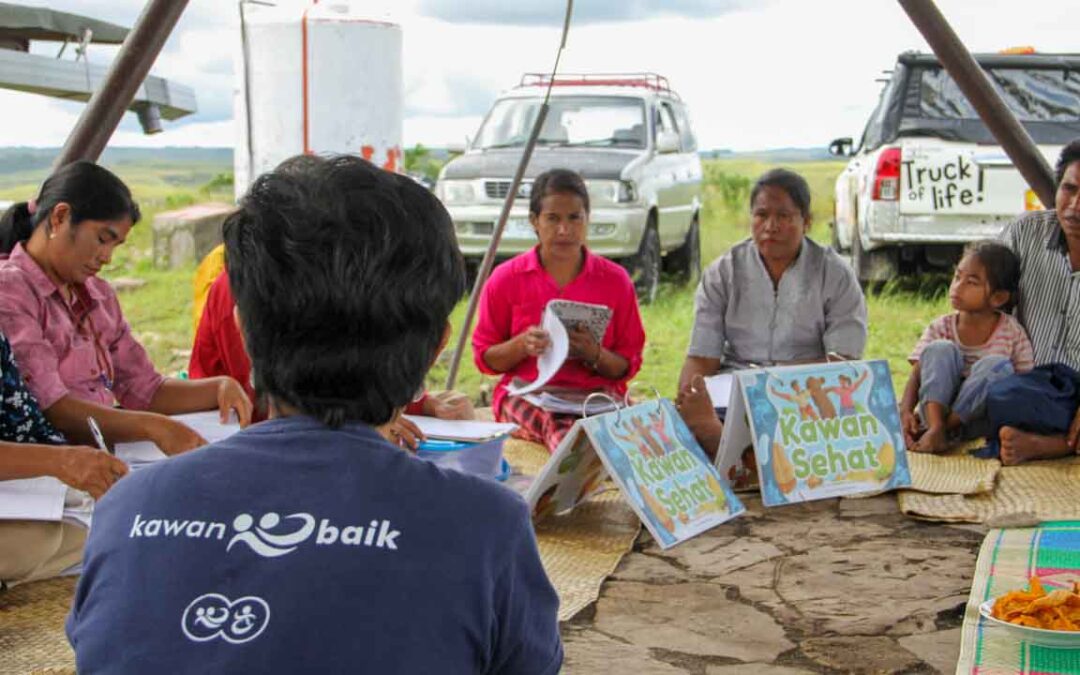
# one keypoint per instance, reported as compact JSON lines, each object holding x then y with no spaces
{"x":960,"y":354}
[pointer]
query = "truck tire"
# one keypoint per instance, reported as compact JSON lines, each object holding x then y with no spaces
{"x":685,"y":262}
{"x":873,"y":268}
{"x":644,"y":268}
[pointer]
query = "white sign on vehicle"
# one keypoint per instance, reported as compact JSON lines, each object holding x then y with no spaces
{"x":953,"y":181}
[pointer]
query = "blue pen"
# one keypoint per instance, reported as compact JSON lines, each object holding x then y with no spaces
{"x":95,"y":430}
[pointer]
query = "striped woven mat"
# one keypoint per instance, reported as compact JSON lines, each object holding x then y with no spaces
{"x":32,"y":636}
{"x":1007,"y":559}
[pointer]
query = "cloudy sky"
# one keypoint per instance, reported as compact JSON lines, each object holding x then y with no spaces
{"x":755,"y":73}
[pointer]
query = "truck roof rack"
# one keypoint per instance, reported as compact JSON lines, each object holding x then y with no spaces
{"x":651,"y":81}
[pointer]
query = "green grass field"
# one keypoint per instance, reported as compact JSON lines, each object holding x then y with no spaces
{"x":160,"y":311}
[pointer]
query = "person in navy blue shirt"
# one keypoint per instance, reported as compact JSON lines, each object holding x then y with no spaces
{"x":308,"y":543}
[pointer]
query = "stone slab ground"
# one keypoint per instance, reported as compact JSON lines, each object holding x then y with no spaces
{"x":837,"y":586}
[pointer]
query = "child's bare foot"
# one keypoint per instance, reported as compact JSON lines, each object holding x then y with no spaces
{"x":696,"y":409}
{"x":1021,"y":446}
{"x":933,"y":440}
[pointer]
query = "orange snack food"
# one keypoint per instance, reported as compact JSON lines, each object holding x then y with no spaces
{"x":1057,"y":610}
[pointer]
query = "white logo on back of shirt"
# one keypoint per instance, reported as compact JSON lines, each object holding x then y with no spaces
{"x":212,"y":615}
{"x":265,"y":543}
{"x":262,"y":540}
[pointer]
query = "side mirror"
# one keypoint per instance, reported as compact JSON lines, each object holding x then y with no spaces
{"x":667,"y":141}
{"x":457,"y":147}
{"x":841,"y":147}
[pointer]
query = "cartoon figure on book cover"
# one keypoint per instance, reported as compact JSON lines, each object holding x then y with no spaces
{"x":663,"y":471}
{"x":824,"y":431}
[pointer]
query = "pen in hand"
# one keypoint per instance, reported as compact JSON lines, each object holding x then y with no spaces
{"x":98,"y":437}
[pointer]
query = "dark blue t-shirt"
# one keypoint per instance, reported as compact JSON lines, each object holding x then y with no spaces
{"x":291,"y":547}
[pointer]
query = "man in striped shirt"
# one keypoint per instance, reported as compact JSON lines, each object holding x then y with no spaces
{"x":1048,"y":244}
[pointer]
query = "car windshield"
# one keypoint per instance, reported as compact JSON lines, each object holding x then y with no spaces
{"x":597,"y":121}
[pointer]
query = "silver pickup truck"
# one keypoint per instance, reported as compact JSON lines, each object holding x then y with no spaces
{"x":928,"y":177}
{"x":628,"y":135}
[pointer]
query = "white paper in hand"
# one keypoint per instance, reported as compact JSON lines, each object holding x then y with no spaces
{"x":553,"y":357}
{"x":719,"y":387}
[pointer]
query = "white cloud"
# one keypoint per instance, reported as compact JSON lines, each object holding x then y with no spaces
{"x":786,"y":73}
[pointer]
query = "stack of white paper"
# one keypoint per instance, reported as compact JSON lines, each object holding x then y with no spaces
{"x":32,"y":499}
{"x":597,"y":405}
{"x":206,"y":424}
{"x":467,"y":431}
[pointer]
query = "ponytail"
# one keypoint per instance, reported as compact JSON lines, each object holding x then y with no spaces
{"x":92,"y":192}
{"x":16,"y":226}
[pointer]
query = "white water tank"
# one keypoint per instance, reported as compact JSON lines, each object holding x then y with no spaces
{"x":319,"y":78}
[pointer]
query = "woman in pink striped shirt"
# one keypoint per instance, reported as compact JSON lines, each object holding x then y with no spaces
{"x":961,"y":354}
{"x":76,"y":351}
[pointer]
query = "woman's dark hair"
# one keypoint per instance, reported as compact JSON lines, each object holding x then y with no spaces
{"x":1002,"y":267}
{"x":788,"y":181}
{"x":93,"y":193}
{"x":554,"y":181}
{"x":1069,"y":154}
{"x":344,"y":277}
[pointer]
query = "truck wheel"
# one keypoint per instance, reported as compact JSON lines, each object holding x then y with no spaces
{"x":873,"y":268}
{"x":685,"y":261}
{"x":644,"y":268}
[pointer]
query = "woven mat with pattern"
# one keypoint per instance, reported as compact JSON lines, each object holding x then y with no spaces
{"x":32,"y":636}
{"x":958,"y":488}
{"x":581,"y":548}
{"x":1007,"y":559}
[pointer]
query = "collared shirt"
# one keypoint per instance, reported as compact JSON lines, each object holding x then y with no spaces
{"x":1049,"y":302}
{"x":83,"y":348}
{"x":515,"y":297}
{"x":291,"y":547}
{"x":742,"y":319}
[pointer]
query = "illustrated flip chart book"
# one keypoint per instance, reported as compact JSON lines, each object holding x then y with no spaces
{"x":818,"y":431}
{"x":652,"y":456}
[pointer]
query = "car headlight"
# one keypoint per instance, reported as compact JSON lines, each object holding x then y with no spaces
{"x":456,"y":191}
{"x":611,"y":192}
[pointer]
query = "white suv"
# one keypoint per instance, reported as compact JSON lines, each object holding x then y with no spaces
{"x":628,"y":136}
{"x":928,"y":176}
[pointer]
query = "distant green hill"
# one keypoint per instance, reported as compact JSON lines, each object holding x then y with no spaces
{"x":20,"y":159}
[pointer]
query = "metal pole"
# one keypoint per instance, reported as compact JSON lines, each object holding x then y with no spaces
{"x":108,"y":103}
{"x":971,"y":79}
{"x":496,"y":236}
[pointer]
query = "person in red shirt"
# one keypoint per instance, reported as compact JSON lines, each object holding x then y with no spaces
{"x":219,"y":350}
{"x":508,"y":338}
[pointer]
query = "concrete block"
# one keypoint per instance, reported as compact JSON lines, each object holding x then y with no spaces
{"x":186,"y":235}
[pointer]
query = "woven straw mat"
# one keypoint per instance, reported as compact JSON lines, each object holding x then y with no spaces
{"x":32,"y":636}
{"x":1023,"y":495}
{"x":581,"y":548}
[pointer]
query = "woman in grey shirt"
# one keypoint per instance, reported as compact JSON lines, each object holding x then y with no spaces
{"x":774,"y":298}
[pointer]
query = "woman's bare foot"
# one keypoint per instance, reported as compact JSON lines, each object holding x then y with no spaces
{"x":696,"y":409}
{"x":1022,"y":446}
{"x":933,"y":440}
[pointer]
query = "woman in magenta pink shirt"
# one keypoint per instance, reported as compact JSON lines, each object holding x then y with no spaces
{"x":76,"y":351}
{"x":508,"y":338}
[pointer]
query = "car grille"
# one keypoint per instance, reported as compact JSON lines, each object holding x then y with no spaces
{"x":498,"y":189}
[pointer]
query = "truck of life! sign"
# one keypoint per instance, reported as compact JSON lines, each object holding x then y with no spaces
{"x":951,"y":180}
{"x":818,"y":431}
